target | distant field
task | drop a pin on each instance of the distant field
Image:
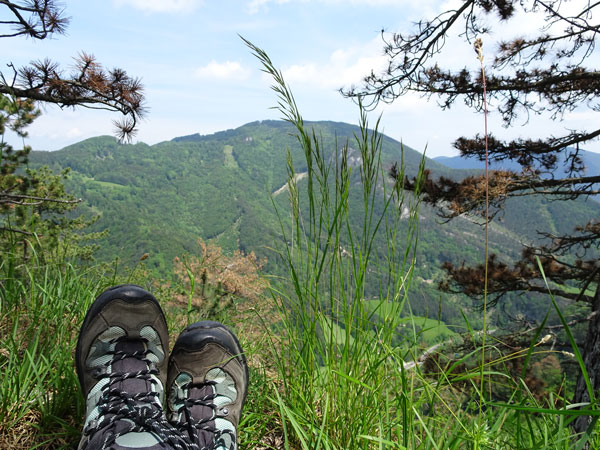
(429, 330)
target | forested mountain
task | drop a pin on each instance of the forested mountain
(224, 187)
(159, 199)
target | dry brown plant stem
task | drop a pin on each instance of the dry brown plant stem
(479, 50)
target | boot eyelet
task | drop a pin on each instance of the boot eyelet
(91, 426)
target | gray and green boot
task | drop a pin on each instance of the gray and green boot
(121, 365)
(207, 385)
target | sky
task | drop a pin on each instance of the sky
(199, 76)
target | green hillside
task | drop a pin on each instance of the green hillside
(160, 199)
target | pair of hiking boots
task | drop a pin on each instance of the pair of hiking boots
(125, 376)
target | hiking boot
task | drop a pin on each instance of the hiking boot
(207, 385)
(121, 365)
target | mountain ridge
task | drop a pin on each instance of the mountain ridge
(160, 199)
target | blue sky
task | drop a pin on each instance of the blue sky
(201, 78)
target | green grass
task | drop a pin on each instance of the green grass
(104, 184)
(39, 315)
(328, 368)
(42, 306)
(230, 161)
(109, 185)
(347, 386)
(430, 331)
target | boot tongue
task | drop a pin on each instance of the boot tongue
(131, 364)
(201, 412)
(131, 387)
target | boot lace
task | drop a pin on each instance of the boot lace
(140, 411)
(194, 426)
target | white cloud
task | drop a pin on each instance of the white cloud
(302, 73)
(161, 5)
(345, 67)
(581, 115)
(374, 3)
(255, 6)
(57, 128)
(74, 133)
(228, 70)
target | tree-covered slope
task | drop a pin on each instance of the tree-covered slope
(225, 187)
(159, 199)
